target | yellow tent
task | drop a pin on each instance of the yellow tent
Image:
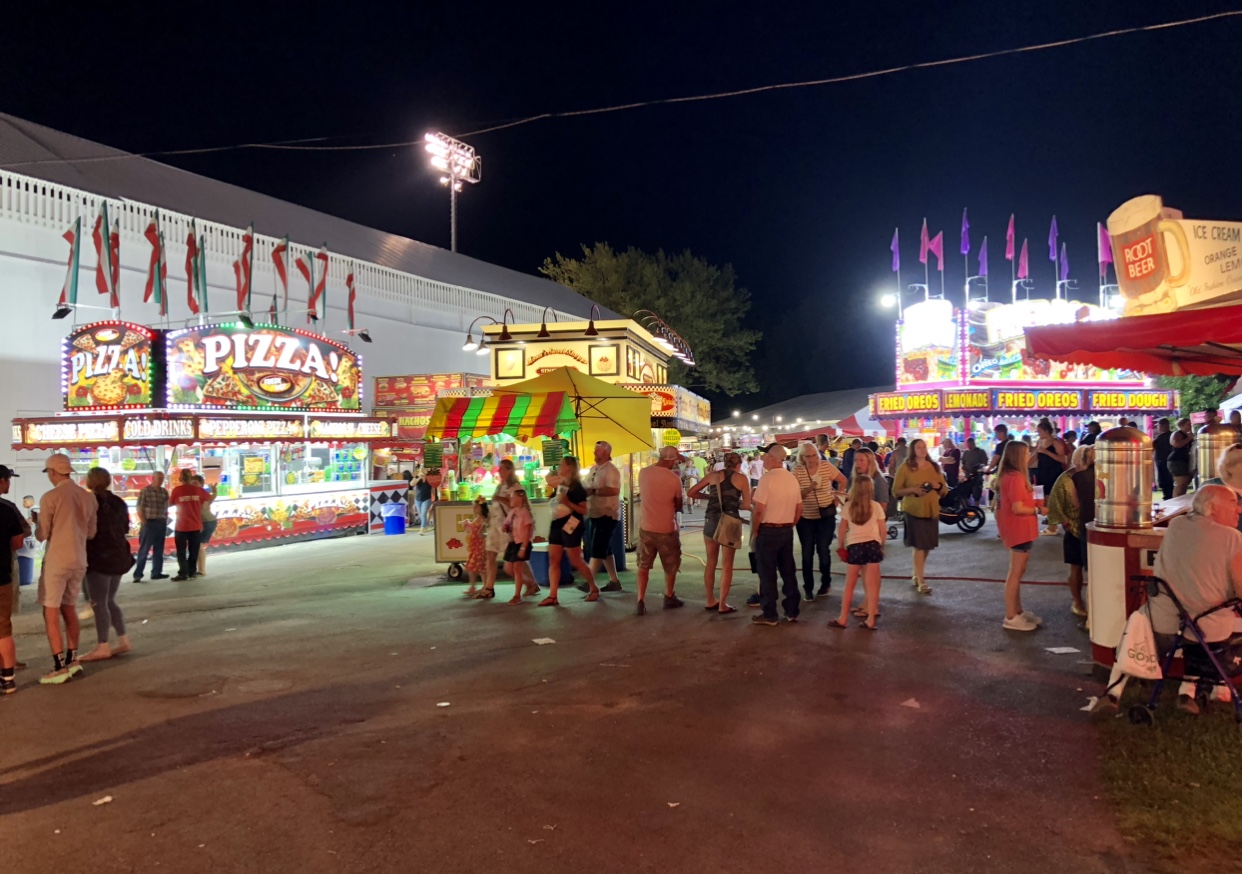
(606, 411)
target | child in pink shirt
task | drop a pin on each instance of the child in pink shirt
(522, 528)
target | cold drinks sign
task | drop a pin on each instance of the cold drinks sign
(264, 367)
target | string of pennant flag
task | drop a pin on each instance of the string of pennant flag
(313, 267)
(1019, 258)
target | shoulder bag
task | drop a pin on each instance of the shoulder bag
(728, 528)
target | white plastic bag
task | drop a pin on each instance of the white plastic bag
(1136, 654)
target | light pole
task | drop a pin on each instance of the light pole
(458, 163)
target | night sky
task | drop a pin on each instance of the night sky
(799, 189)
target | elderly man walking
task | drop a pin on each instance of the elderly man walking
(67, 518)
(661, 493)
(777, 507)
(153, 517)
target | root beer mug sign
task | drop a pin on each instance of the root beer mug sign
(264, 367)
(1165, 262)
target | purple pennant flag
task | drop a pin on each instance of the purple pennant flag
(896, 250)
(1064, 263)
(1104, 246)
(965, 234)
(923, 240)
(1052, 240)
(1023, 267)
(1009, 240)
(983, 258)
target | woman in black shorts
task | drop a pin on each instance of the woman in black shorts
(565, 536)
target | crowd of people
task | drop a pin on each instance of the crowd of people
(84, 533)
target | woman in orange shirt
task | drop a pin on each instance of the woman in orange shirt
(1017, 519)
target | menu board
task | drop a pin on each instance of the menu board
(265, 367)
(398, 392)
(107, 366)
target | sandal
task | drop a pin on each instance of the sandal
(485, 594)
(470, 593)
(515, 600)
(531, 590)
(836, 623)
(866, 626)
(715, 606)
(727, 609)
(923, 589)
(861, 613)
(594, 596)
(549, 602)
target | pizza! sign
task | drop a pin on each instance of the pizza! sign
(107, 366)
(266, 367)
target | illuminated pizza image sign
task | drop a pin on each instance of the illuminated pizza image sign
(107, 366)
(266, 367)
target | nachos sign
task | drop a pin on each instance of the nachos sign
(267, 367)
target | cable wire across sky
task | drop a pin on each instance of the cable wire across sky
(302, 145)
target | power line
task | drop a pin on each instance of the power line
(299, 145)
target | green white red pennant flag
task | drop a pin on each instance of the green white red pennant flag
(316, 276)
(69, 291)
(191, 269)
(280, 256)
(243, 270)
(104, 273)
(157, 269)
(353, 293)
(202, 272)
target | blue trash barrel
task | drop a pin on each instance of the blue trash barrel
(394, 518)
(25, 570)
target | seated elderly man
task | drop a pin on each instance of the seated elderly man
(1229, 471)
(1201, 559)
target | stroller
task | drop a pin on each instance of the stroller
(1199, 659)
(955, 506)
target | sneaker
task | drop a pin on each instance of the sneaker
(765, 620)
(808, 594)
(159, 576)
(7, 687)
(752, 601)
(137, 579)
(55, 678)
(824, 590)
(792, 619)
(1019, 623)
(642, 608)
(672, 602)
(613, 586)
(75, 669)
(1188, 705)
(179, 578)
(1032, 617)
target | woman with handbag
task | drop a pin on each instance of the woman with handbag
(565, 536)
(107, 559)
(728, 493)
(818, 481)
(919, 484)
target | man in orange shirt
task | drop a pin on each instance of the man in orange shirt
(660, 498)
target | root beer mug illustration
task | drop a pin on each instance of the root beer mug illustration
(1138, 232)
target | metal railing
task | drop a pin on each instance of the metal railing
(38, 203)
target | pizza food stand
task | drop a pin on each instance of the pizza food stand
(269, 415)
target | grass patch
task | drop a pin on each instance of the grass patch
(1177, 785)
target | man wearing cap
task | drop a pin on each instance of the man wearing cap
(66, 522)
(13, 533)
(661, 497)
(776, 509)
(603, 487)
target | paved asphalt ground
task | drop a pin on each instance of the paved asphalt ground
(282, 714)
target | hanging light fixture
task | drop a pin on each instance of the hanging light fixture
(591, 330)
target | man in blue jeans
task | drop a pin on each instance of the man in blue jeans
(153, 521)
(777, 507)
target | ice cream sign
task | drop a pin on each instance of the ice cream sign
(264, 367)
(1165, 262)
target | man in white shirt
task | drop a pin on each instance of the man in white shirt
(777, 506)
(603, 485)
(66, 521)
(755, 468)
